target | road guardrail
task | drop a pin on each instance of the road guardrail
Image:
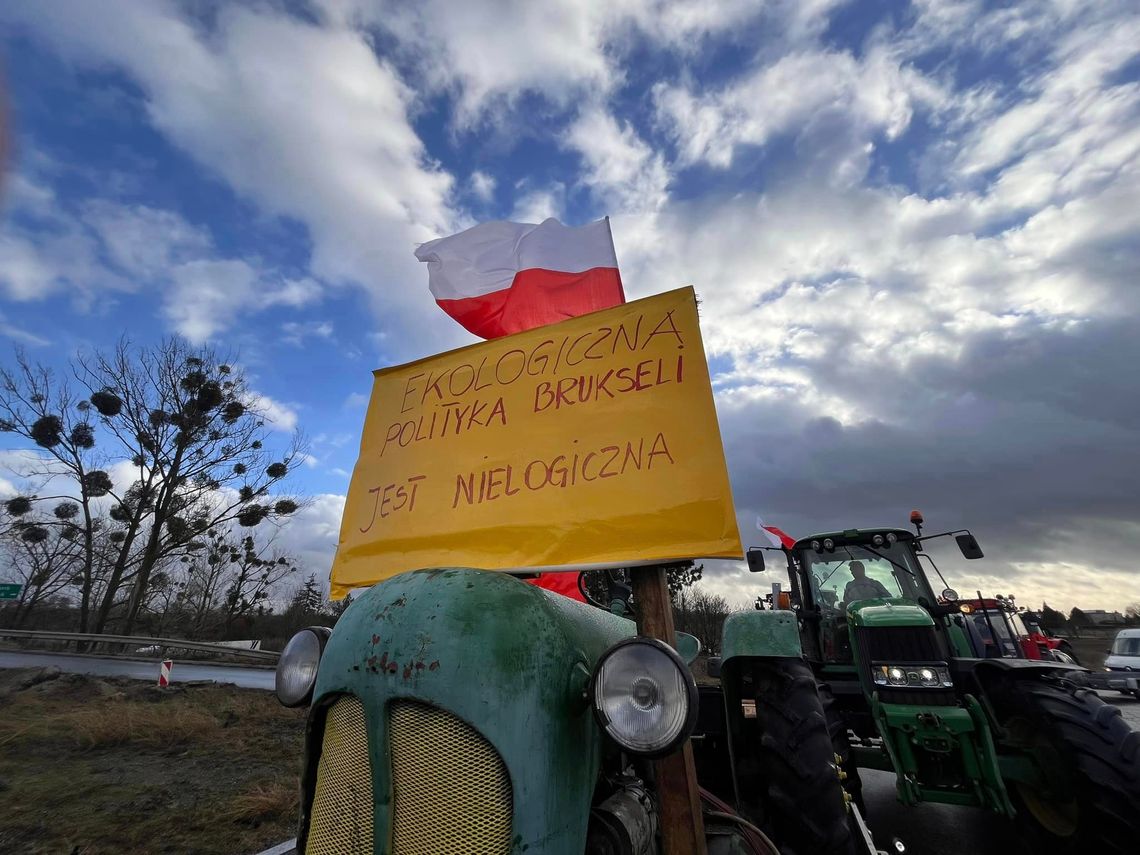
(162, 644)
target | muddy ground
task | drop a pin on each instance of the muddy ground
(94, 765)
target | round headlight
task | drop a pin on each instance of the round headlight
(644, 696)
(950, 595)
(815, 545)
(297, 666)
(896, 676)
(928, 677)
(829, 544)
(892, 537)
(877, 540)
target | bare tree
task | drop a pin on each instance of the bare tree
(41, 556)
(224, 578)
(36, 405)
(702, 614)
(190, 429)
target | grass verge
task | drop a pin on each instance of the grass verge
(93, 765)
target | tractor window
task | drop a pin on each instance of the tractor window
(833, 577)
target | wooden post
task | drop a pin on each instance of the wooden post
(682, 828)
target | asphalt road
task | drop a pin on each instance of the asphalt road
(182, 672)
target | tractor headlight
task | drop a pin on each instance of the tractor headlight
(644, 696)
(877, 540)
(828, 544)
(935, 675)
(297, 666)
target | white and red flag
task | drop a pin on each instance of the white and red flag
(500, 278)
(777, 537)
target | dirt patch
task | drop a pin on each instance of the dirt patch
(102, 765)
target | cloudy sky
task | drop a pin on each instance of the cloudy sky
(915, 230)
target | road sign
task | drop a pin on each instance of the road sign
(9, 592)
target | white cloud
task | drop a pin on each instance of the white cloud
(21, 335)
(278, 416)
(145, 241)
(795, 92)
(312, 533)
(303, 120)
(295, 332)
(356, 400)
(535, 204)
(621, 169)
(483, 186)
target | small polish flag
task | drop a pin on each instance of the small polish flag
(500, 278)
(777, 537)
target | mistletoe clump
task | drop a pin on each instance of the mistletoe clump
(97, 483)
(18, 506)
(107, 403)
(252, 515)
(83, 435)
(47, 431)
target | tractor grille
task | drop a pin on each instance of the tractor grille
(340, 822)
(902, 644)
(451, 794)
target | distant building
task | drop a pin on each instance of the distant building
(1099, 617)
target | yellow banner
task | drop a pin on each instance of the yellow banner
(589, 442)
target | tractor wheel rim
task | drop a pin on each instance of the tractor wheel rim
(1058, 818)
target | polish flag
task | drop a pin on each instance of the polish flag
(777, 537)
(500, 278)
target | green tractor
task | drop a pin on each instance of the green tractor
(463, 711)
(910, 689)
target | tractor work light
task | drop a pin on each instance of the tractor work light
(644, 696)
(297, 666)
(935, 675)
(829, 544)
(877, 540)
(815, 544)
(892, 537)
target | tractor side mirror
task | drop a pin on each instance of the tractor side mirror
(969, 546)
(755, 560)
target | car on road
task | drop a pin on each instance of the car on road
(1124, 656)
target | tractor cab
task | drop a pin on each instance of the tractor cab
(836, 570)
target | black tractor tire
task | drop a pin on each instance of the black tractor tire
(804, 805)
(1098, 757)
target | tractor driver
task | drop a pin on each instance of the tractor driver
(862, 588)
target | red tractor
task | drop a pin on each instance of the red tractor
(1000, 628)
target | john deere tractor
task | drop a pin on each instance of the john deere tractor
(911, 688)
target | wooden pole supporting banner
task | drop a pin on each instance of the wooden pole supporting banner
(682, 827)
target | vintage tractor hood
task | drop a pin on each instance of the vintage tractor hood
(511, 660)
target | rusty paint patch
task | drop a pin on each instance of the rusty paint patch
(375, 639)
(434, 666)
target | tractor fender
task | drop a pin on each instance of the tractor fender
(761, 633)
(1026, 666)
(989, 672)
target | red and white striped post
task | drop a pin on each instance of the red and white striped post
(164, 673)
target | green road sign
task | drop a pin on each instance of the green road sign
(9, 592)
